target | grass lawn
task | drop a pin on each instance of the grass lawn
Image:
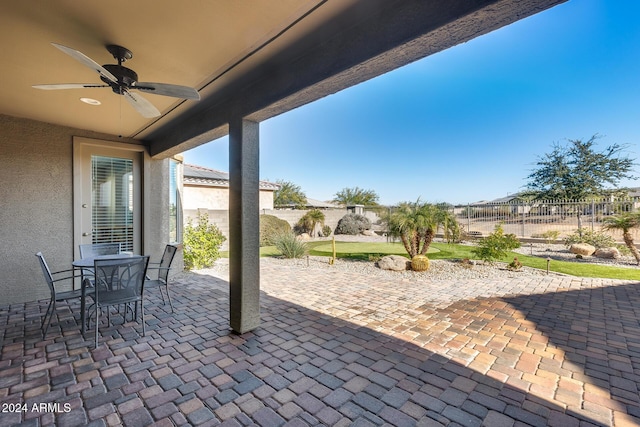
(365, 250)
(359, 250)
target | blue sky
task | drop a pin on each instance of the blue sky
(468, 123)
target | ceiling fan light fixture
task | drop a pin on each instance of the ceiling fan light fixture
(90, 101)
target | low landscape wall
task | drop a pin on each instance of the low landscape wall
(525, 219)
(220, 217)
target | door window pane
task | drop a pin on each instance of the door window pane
(112, 201)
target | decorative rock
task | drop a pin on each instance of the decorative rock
(610, 253)
(583, 249)
(304, 236)
(369, 233)
(394, 262)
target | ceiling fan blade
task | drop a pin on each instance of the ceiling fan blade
(165, 89)
(143, 106)
(68, 86)
(84, 59)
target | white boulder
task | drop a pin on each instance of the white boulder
(609, 253)
(394, 263)
(583, 249)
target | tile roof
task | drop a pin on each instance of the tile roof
(313, 203)
(200, 175)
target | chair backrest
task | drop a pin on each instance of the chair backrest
(165, 263)
(46, 272)
(121, 274)
(96, 249)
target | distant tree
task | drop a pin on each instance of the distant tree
(356, 196)
(289, 194)
(577, 171)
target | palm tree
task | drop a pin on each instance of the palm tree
(625, 222)
(417, 223)
(310, 219)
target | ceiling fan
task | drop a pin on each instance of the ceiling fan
(122, 80)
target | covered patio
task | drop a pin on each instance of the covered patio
(245, 61)
(339, 348)
(262, 345)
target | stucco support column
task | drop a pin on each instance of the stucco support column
(244, 225)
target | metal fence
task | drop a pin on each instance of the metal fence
(530, 219)
(527, 219)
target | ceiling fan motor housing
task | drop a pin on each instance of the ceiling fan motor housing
(126, 77)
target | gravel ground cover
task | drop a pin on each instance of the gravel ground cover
(561, 253)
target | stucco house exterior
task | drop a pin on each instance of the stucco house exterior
(205, 188)
(206, 191)
(64, 187)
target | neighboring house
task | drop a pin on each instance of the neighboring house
(205, 188)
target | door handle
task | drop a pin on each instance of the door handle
(86, 234)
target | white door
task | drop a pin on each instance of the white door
(107, 194)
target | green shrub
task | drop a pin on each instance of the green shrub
(624, 250)
(550, 236)
(455, 233)
(375, 257)
(514, 265)
(594, 238)
(326, 231)
(201, 243)
(353, 224)
(270, 226)
(288, 244)
(467, 263)
(496, 245)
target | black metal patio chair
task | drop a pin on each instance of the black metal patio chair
(91, 250)
(163, 267)
(57, 295)
(119, 282)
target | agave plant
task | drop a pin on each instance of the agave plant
(289, 245)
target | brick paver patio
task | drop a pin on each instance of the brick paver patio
(338, 348)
